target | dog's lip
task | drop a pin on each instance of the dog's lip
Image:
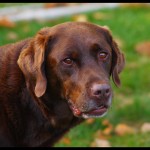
(98, 111)
(75, 110)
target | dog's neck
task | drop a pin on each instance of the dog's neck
(57, 111)
(49, 116)
(54, 109)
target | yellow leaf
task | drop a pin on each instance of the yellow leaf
(100, 16)
(100, 143)
(80, 18)
(66, 140)
(52, 5)
(106, 122)
(90, 120)
(108, 130)
(143, 48)
(145, 127)
(12, 36)
(5, 22)
(134, 5)
(122, 129)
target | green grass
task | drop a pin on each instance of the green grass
(134, 140)
(131, 102)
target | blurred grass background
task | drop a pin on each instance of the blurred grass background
(131, 102)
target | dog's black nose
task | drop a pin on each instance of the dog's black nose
(100, 90)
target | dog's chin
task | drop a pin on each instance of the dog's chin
(93, 113)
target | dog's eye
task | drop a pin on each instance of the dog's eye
(102, 55)
(68, 61)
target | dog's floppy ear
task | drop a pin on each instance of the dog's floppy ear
(118, 59)
(31, 62)
(118, 63)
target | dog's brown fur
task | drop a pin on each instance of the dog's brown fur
(35, 87)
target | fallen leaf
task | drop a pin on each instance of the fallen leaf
(99, 134)
(93, 144)
(106, 122)
(100, 16)
(145, 127)
(90, 120)
(143, 48)
(108, 130)
(80, 18)
(5, 22)
(12, 36)
(66, 140)
(52, 5)
(102, 134)
(100, 143)
(134, 5)
(122, 129)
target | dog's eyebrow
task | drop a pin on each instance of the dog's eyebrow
(71, 52)
(95, 47)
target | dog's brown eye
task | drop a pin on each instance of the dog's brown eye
(103, 55)
(68, 61)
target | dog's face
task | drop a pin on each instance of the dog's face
(81, 57)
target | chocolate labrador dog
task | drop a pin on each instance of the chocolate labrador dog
(54, 81)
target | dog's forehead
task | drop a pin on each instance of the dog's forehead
(78, 37)
(80, 33)
(79, 28)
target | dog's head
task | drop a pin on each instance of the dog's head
(80, 58)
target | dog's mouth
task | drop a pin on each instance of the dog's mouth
(93, 113)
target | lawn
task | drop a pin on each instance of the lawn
(131, 102)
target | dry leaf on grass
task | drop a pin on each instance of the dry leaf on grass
(143, 48)
(90, 121)
(100, 16)
(5, 22)
(80, 18)
(106, 122)
(99, 134)
(122, 129)
(52, 5)
(66, 140)
(104, 134)
(109, 128)
(100, 143)
(134, 5)
(12, 36)
(145, 127)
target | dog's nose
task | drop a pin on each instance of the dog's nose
(100, 90)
